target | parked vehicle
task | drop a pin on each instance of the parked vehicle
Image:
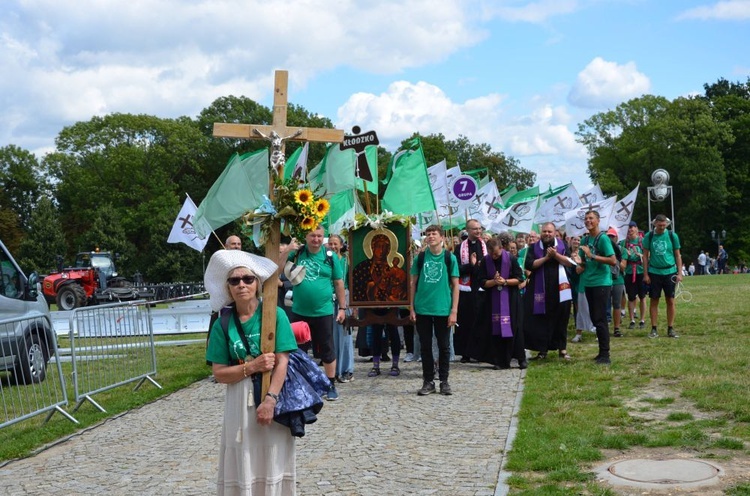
(92, 279)
(27, 339)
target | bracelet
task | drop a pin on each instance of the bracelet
(274, 396)
(342, 308)
(244, 369)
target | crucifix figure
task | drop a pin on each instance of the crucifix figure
(277, 148)
(274, 133)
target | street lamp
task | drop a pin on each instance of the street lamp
(660, 191)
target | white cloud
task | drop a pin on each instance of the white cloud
(541, 136)
(602, 84)
(66, 60)
(729, 10)
(532, 12)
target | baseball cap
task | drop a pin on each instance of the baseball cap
(633, 224)
(612, 232)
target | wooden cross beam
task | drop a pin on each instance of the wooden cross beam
(257, 131)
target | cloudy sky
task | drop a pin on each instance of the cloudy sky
(519, 75)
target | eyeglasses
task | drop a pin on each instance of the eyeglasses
(248, 280)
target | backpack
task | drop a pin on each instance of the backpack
(329, 257)
(420, 264)
(651, 239)
(613, 269)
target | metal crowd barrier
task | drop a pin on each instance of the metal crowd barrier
(111, 345)
(31, 377)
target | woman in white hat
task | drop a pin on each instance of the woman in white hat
(257, 455)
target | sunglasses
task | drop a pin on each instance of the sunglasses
(248, 280)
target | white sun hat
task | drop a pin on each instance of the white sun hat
(222, 263)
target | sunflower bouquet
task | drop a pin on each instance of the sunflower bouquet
(299, 210)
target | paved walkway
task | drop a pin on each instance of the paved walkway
(380, 439)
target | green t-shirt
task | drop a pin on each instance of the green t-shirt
(220, 352)
(635, 255)
(313, 297)
(434, 292)
(344, 261)
(661, 249)
(596, 274)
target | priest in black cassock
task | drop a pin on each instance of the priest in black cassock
(499, 326)
(548, 295)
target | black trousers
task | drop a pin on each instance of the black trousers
(425, 326)
(597, 298)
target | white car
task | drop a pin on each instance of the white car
(27, 339)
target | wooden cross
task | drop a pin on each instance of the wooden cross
(255, 131)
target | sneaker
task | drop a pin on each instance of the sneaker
(427, 388)
(617, 333)
(465, 359)
(603, 360)
(622, 313)
(409, 357)
(642, 324)
(445, 388)
(577, 339)
(374, 372)
(348, 376)
(632, 324)
(332, 395)
(653, 333)
(671, 333)
(345, 377)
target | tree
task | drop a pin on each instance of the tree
(503, 169)
(45, 239)
(21, 184)
(131, 173)
(627, 144)
(730, 103)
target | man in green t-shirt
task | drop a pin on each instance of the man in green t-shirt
(312, 298)
(662, 269)
(632, 253)
(434, 306)
(597, 255)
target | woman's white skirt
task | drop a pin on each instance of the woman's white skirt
(253, 459)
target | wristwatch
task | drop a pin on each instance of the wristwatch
(274, 396)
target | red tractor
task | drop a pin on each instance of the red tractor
(91, 280)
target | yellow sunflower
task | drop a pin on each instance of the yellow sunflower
(303, 196)
(308, 223)
(322, 207)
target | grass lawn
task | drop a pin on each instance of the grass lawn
(690, 394)
(177, 367)
(687, 395)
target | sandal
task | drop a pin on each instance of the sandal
(375, 371)
(395, 372)
(564, 355)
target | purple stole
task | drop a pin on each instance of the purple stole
(500, 299)
(540, 296)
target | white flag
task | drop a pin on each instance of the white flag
(622, 213)
(486, 206)
(574, 225)
(593, 195)
(519, 217)
(554, 208)
(183, 230)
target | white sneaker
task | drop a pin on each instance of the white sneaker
(409, 357)
(577, 338)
